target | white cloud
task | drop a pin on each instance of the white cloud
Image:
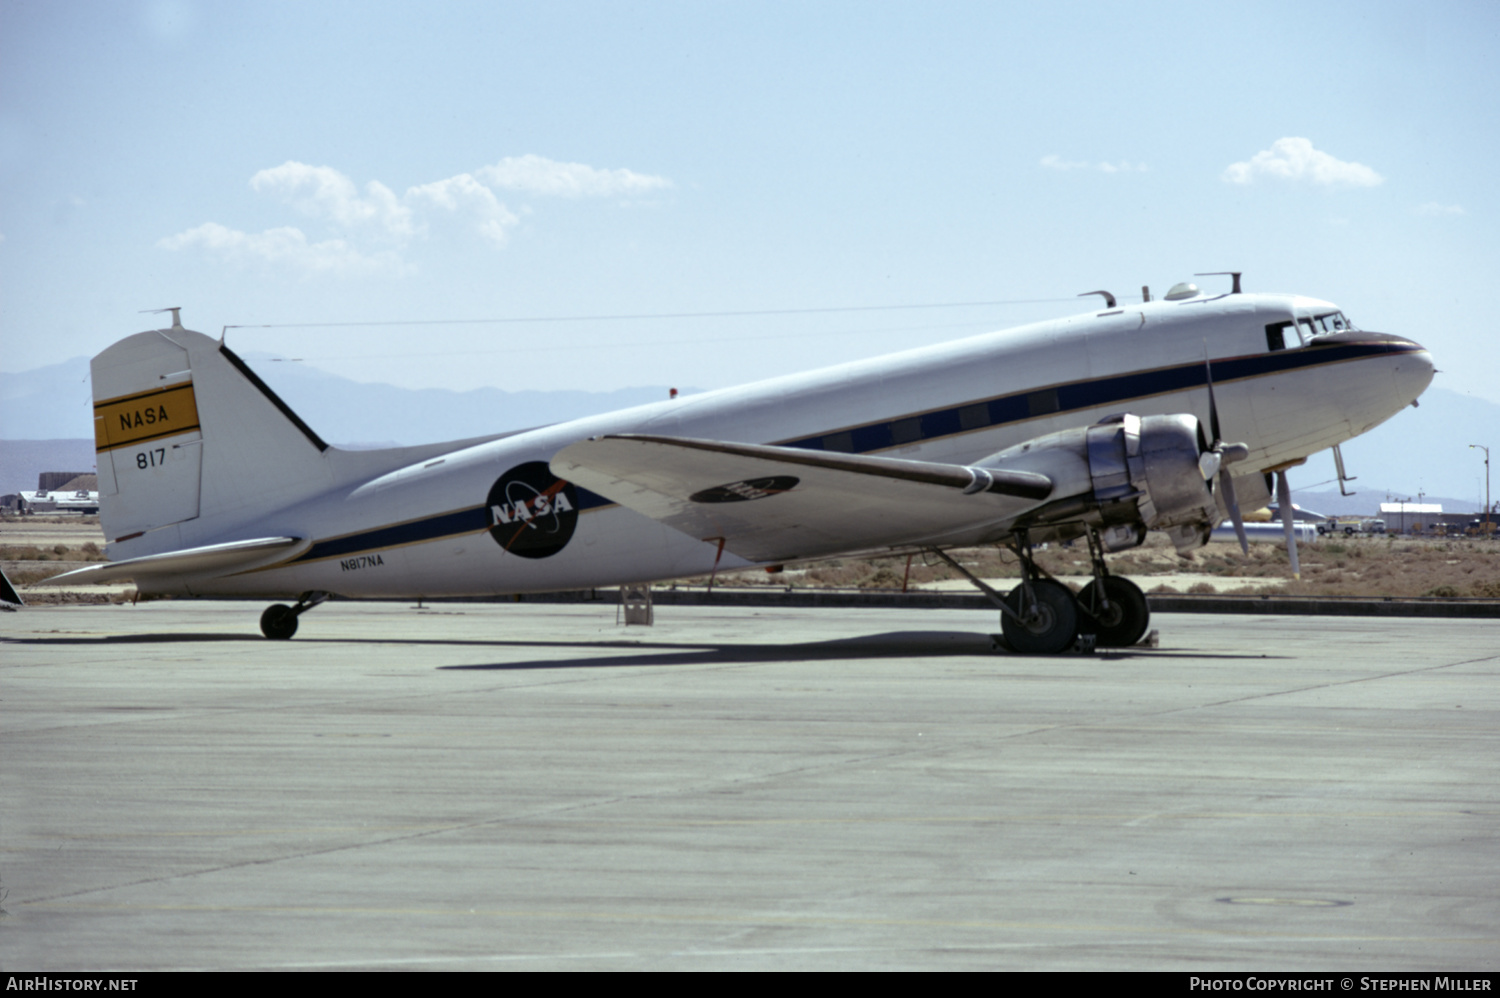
(376, 216)
(1056, 162)
(279, 246)
(1295, 159)
(538, 175)
(323, 192)
(464, 195)
(1433, 208)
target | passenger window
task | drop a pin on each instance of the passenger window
(840, 442)
(904, 431)
(1043, 402)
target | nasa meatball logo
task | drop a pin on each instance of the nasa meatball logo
(754, 488)
(532, 511)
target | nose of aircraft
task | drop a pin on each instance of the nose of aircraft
(1413, 372)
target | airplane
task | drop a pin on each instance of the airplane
(1101, 426)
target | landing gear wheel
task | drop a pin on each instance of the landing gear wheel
(1054, 626)
(1124, 622)
(279, 622)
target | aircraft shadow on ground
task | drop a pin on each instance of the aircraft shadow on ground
(127, 639)
(890, 645)
(624, 652)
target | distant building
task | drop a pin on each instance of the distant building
(1412, 518)
(67, 481)
(78, 501)
(61, 492)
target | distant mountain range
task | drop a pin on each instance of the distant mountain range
(55, 403)
(1423, 451)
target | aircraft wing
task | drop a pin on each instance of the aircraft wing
(773, 504)
(215, 559)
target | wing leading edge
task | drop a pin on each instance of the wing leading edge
(771, 503)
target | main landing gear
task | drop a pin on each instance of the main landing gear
(1114, 606)
(1041, 616)
(279, 622)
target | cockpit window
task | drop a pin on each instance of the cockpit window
(1302, 331)
(1331, 322)
(1276, 335)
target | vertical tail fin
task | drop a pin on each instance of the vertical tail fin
(188, 438)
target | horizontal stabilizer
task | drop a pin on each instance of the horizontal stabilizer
(211, 559)
(772, 503)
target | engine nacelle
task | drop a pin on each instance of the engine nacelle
(1124, 475)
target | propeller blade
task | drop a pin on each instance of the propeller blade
(1284, 506)
(1213, 406)
(1226, 485)
(1224, 454)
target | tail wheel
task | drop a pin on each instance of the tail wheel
(1052, 628)
(1123, 622)
(279, 622)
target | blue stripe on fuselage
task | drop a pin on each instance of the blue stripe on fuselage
(970, 417)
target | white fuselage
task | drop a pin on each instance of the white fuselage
(425, 528)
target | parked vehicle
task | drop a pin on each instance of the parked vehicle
(1352, 527)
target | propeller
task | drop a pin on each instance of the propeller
(1220, 455)
(1284, 507)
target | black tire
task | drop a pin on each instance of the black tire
(1349, 531)
(1053, 629)
(1125, 622)
(279, 622)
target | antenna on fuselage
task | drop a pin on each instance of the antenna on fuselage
(1109, 299)
(1226, 273)
(176, 311)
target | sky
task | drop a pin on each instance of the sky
(601, 195)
